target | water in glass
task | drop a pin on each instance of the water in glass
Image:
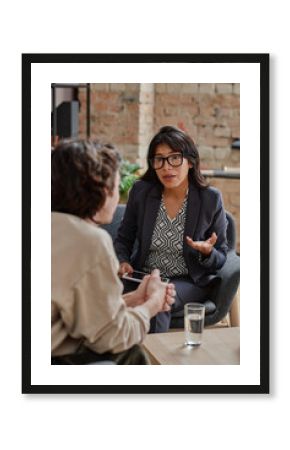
(193, 329)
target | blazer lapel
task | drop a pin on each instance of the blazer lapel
(192, 214)
(151, 208)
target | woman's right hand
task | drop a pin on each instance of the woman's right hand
(125, 268)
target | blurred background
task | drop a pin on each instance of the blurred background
(129, 114)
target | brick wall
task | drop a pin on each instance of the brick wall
(230, 190)
(130, 114)
(210, 113)
(114, 115)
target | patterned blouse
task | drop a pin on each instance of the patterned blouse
(166, 249)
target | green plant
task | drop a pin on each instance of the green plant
(129, 174)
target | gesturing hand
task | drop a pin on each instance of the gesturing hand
(204, 247)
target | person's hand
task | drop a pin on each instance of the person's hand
(204, 247)
(125, 268)
(138, 296)
(142, 294)
(152, 292)
(169, 297)
(155, 287)
(160, 295)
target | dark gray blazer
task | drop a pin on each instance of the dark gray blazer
(205, 214)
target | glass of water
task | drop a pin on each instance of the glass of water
(193, 323)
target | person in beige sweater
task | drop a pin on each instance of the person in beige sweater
(89, 315)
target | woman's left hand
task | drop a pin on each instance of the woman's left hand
(204, 247)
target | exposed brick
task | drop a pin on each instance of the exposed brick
(192, 130)
(202, 121)
(224, 88)
(160, 88)
(206, 152)
(182, 88)
(207, 88)
(170, 111)
(236, 88)
(163, 121)
(228, 101)
(190, 88)
(222, 153)
(173, 88)
(147, 97)
(208, 105)
(234, 158)
(224, 114)
(129, 151)
(208, 164)
(103, 87)
(108, 98)
(230, 190)
(205, 130)
(124, 87)
(235, 132)
(147, 108)
(235, 199)
(130, 97)
(168, 99)
(222, 131)
(143, 148)
(147, 87)
(214, 141)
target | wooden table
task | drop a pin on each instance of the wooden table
(219, 346)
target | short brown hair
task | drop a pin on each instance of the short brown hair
(82, 174)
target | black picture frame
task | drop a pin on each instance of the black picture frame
(263, 61)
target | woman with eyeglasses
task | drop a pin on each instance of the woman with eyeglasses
(174, 222)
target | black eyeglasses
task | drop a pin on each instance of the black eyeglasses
(174, 160)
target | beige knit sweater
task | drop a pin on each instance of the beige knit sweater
(86, 303)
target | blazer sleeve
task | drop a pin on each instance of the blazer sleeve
(218, 225)
(124, 242)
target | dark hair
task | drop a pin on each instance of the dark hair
(178, 141)
(82, 173)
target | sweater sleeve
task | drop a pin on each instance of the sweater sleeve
(98, 314)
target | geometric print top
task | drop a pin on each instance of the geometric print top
(165, 252)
